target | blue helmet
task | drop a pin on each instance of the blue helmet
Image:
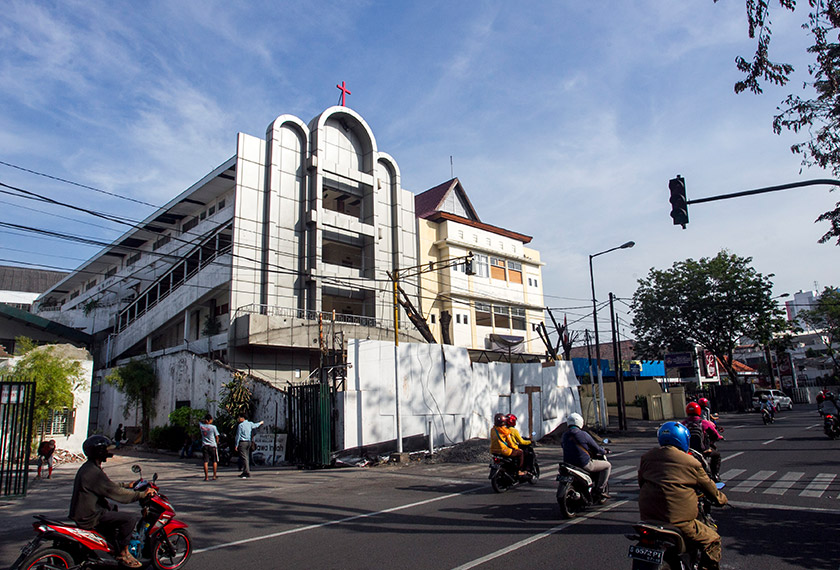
(674, 433)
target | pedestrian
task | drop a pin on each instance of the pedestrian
(46, 449)
(242, 444)
(186, 451)
(209, 444)
(119, 436)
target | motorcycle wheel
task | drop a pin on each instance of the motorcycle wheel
(765, 419)
(47, 558)
(535, 474)
(569, 500)
(501, 481)
(165, 557)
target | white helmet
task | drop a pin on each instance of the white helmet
(575, 420)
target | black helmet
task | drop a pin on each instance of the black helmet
(499, 420)
(96, 448)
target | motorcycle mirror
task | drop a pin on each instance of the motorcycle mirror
(605, 440)
(135, 468)
(720, 485)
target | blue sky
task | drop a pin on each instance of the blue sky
(564, 120)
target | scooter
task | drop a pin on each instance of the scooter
(661, 546)
(831, 426)
(504, 470)
(158, 538)
(766, 416)
(576, 489)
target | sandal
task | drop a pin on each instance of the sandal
(128, 561)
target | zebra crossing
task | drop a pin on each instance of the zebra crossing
(764, 482)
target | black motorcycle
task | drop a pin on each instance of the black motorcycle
(660, 546)
(576, 489)
(831, 425)
(504, 470)
(766, 416)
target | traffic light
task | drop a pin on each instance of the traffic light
(679, 204)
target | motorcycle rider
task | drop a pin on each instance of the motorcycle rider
(501, 442)
(89, 506)
(706, 410)
(827, 403)
(510, 422)
(703, 435)
(669, 479)
(578, 449)
(767, 404)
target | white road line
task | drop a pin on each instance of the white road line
(772, 440)
(753, 481)
(784, 483)
(743, 504)
(335, 522)
(621, 469)
(629, 475)
(817, 487)
(535, 538)
(813, 426)
(620, 453)
(731, 474)
(731, 456)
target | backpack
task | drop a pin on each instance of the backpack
(698, 439)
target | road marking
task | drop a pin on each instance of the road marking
(784, 483)
(536, 537)
(818, 486)
(753, 481)
(731, 474)
(742, 505)
(629, 475)
(772, 440)
(621, 469)
(731, 456)
(813, 426)
(621, 453)
(338, 521)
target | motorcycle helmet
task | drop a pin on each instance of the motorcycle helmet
(674, 433)
(499, 420)
(693, 409)
(511, 420)
(96, 448)
(575, 420)
(704, 403)
(820, 398)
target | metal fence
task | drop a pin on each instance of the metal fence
(17, 406)
(311, 423)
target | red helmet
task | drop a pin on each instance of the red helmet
(511, 420)
(692, 409)
(704, 403)
(820, 397)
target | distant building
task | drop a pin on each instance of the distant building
(802, 301)
(20, 286)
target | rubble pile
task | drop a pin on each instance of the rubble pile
(61, 456)
(471, 451)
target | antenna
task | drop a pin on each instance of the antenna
(451, 167)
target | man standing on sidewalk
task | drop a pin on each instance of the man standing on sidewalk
(242, 444)
(209, 444)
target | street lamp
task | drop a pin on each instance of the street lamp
(603, 419)
(767, 356)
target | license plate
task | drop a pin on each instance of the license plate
(652, 555)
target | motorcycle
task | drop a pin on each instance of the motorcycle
(576, 489)
(766, 416)
(660, 546)
(504, 470)
(831, 426)
(158, 538)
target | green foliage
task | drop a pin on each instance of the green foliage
(824, 318)
(187, 418)
(236, 397)
(711, 303)
(55, 377)
(139, 383)
(816, 115)
(211, 326)
(169, 437)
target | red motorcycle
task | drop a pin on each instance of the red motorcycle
(159, 538)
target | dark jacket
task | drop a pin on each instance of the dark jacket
(668, 479)
(91, 488)
(46, 448)
(579, 447)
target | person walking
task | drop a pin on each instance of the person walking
(46, 449)
(242, 444)
(209, 444)
(119, 436)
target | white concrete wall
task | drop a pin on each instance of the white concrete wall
(439, 385)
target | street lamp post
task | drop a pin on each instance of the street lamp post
(603, 406)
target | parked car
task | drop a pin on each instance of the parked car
(782, 401)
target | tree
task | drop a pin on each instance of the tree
(818, 116)
(139, 383)
(824, 319)
(56, 377)
(712, 303)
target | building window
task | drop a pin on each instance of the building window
(466, 319)
(90, 285)
(111, 271)
(211, 210)
(432, 318)
(458, 319)
(480, 265)
(497, 268)
(535, 283)
(483, 318)
(59, 422)
(221, 204)
(188, 225)
(501, 317)
(160, 242)
(515, 272)
(133, 259)
(518, 318)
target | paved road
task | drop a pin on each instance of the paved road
(783, 480)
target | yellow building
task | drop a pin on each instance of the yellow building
(499, 307)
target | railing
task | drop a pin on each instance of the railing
(326, 316)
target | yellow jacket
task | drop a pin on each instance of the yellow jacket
(517, 439)
(501, 442)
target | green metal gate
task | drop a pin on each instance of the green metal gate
(17, 406)
(311, 424)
